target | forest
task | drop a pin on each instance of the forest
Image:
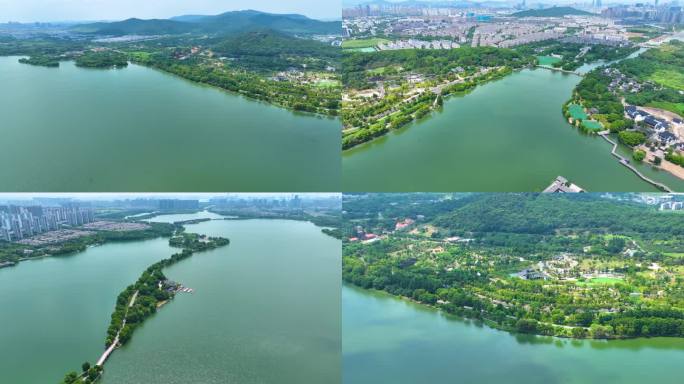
(102, 59)
(436, 75)
(249, 70)
(357, 67)
(661, 70)
(581, 266)
(593, 92)
(574, 55)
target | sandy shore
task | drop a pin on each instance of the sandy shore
(664, 164)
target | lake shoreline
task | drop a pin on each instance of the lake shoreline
(492, 324)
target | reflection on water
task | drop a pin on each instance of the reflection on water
(386, 339)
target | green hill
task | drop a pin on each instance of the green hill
(225, 23)
(241, 20)
(135, 27)
(275, 51)
(551, 12)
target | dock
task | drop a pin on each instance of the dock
(626, 163)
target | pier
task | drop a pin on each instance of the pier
(626, 163)
(560, 70)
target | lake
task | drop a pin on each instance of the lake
(56, 310)
(389, 340)
(139, 129)
(506, 136)
(265, 309)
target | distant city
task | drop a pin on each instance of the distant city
(67, 218)
(20, 222)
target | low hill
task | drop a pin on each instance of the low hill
(225, 23)
(135, 27)
(275, 51)
(289, 23)
(551, 12)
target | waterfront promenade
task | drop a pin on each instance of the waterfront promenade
(626, 163)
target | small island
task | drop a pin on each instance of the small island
(41, 61)
(102, 59)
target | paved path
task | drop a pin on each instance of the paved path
(115, 343)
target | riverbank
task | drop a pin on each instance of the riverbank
(11, 254)
(424, 104)
(467, 313)
(413, 344)
(267, 98)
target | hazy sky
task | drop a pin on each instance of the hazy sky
(66, 10)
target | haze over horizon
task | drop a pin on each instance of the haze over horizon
(28, 11)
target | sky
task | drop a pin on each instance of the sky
(89, 10)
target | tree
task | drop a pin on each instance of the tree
(639, 155)
(70, 378)
(85, 366)
(526, 325)
(631, 138)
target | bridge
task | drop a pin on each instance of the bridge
(626, 163)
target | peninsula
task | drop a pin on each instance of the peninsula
(286, 60)
(142, 299)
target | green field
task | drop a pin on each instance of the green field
(677, 108)
(327, 83)
(377, 71)
(547, 60)
(592, 125)
(669, 78)
(577, 112)
(363, 43)
(601, 280)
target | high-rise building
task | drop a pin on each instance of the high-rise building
(19, 222)
(171, 204)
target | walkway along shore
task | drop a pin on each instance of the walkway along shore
(626, 163)
(560, 70)
(115, 343)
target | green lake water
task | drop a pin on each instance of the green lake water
(139, 129)
(508, 135)
(387, 340)
(55, 310)
(266, 309)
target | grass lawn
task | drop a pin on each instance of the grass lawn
(677, 108)
(547, 60)
(592, 125)
(669, 78)
(377, 71)
(577, 112)
(363, 43)
(327, 83)
(673, 254)
(601, 280)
